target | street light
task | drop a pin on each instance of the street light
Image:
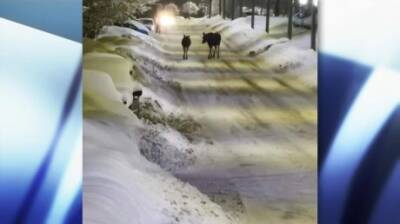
(315, 2)
(166, 19)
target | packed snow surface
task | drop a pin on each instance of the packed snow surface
(253, 159)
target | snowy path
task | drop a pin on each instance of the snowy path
(262, 126)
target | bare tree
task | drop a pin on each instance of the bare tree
(277, 9)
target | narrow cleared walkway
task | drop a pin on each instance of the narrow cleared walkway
(262, 126)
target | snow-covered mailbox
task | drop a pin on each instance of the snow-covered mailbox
(40, 125)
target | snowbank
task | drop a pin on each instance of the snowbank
(109, 31)
(283, 56)
(165, 104)
(119, 70)
(90, 45)
(100, 98)
(100, 84)
(138, 25)
(124, 180)
(167, 148)
(238, 33)
(121, 186)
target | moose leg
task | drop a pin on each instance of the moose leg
(209, 53)
(218, 51)
(185, 53)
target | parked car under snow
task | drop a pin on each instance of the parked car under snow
(148, 22)
(137, 26)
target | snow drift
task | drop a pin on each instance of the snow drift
(121, 184)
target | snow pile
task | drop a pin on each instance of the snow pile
(100, 84)
(119, 70)
(237, 33)
(151, 113)
(127, 40)
(90, 45)
(120, 186)
(167, 149)
(165, 105)
(125, 158)
(116, 31)
(101, 96)
(138, 24)
(284, 56)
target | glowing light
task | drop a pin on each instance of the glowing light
(166, 19)
(303, 2)
(374, 105)
(315, 2)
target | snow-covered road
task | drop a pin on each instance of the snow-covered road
(261, 123)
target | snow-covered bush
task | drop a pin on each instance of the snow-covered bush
(172, 8)
(190, 8)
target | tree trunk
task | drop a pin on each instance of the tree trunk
(233, 9)
(290, 17)
(277, 10)
(267, 9)
(253, 12)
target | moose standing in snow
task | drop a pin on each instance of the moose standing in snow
(186, 42)
(213, 40)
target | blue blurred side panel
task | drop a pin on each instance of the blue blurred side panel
(40, 126)
(339, 82)
(359, 143)
(378, 174)
(359, 124)
(60, 17)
